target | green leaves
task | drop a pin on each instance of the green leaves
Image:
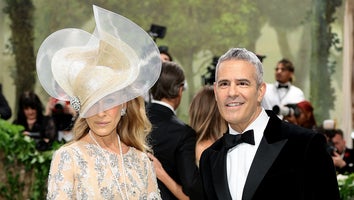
(25, 168)
(346, 186)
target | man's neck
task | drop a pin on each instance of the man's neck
(284, 83)
(163, 102)
(171, 102)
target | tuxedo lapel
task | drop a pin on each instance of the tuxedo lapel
(268, 150)
(219, 174)
(263, 160)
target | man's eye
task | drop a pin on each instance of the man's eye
(223, 84)
(244, 83)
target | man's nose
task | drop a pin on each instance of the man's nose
(233, 90)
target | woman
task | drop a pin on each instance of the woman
(303, 115)
(38, 126)
(103, 75)
(306, 118)
(205, 119)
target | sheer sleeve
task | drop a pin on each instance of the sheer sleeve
(61, 175)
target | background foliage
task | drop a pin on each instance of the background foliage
(346, 186)
(24, 170)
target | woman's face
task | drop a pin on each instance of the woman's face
(30, 113)
(105, 122)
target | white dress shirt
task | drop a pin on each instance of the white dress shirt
(164, 104)
(240, 157)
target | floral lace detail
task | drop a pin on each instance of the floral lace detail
(78, 171)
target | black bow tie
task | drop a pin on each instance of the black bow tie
(233, 140)
(283, 86)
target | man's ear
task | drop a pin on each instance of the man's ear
(180, 91)
(261, 91)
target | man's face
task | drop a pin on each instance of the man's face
(282, 75)
(237, 94)
(339, 143)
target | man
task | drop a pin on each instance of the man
(282, 92)
(282, 161)
(173, 141)
(343, 157)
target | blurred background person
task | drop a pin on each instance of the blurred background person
(282, 92)
(173, 141)
(205, 119)
(165, 57)
(343, 157)
(164, 54)
(38, 126)
(301, 114)
(64, 117)
(306, 118)
(5, 110)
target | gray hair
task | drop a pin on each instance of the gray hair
(242, 54)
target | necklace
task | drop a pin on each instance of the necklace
(107, 162)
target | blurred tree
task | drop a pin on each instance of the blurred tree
(286, 21)
(322, 92)
(21, 24)
(55, 15)
(197, 26)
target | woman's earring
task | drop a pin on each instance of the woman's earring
(123, 112)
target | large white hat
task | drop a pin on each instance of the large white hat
(98, 71)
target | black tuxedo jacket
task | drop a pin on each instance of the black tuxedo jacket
(290, 163)
(173, 143)
(349, 159)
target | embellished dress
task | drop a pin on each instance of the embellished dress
(80, 171)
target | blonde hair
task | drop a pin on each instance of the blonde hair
(204, 116)
(132, 127)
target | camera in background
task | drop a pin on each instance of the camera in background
(287, 110)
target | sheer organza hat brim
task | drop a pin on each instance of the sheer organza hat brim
(115, 64)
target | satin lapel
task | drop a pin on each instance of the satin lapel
(263, 160)
(219, 174)
(269, 148)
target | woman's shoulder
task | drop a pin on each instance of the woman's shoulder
(135, 151)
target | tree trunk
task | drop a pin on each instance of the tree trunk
(22, 40)
(322, 93)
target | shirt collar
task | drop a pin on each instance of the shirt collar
(258, 126)
(163, 104)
